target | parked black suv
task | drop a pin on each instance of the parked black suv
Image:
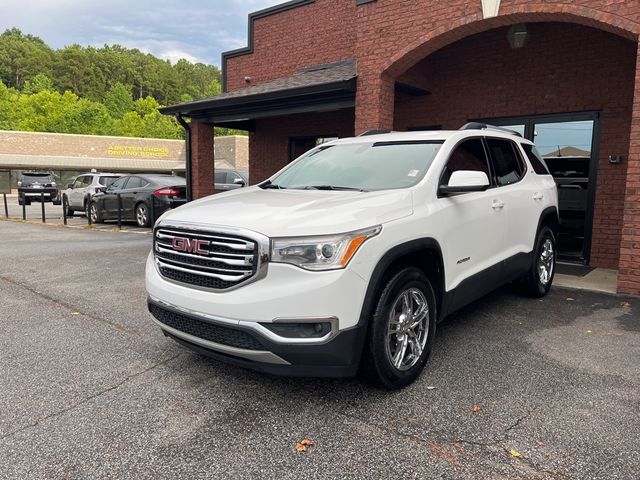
(37, 186)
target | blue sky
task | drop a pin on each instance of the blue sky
(172, 29)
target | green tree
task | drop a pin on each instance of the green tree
(130, 125)
(157, 125)
(22, 57)
(118, 100)
(37, 84)
(7, 108)
(145, 106)
(74, 71)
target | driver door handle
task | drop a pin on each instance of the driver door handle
(497, 205)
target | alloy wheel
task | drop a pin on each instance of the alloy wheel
(546, 262)
(141, 215)
(407, 329)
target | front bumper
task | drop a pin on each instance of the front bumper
(286, 294)
(249, 345)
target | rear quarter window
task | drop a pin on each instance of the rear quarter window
(536, 160)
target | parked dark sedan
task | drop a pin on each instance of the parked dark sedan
(143, 198)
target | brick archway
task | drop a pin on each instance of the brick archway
(526, 13)
(376, 81)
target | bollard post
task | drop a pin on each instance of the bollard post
(6, 207)
(64, 210)
(152, 213)
(42, 206)
(119, 212)
(24, 206)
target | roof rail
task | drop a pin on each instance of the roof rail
(373, 132)
(485, 126)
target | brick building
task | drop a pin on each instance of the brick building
(564, 74)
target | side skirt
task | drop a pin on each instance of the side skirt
(482, 283)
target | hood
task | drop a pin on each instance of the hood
(280, 213)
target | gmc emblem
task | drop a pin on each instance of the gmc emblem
(190, 245)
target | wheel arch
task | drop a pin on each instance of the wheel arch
(423, 253)
(549, 218)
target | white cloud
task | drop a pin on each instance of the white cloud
(189, 29)
(174, 55)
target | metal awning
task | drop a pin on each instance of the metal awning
(319, 88)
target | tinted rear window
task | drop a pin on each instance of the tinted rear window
(106, 181)
(36, 176)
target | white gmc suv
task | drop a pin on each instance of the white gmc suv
(348, 257)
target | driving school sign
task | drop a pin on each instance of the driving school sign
(137, 151)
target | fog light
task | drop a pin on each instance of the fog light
(299, 330)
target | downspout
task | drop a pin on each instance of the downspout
(187, 131)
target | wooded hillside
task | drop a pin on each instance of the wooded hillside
(110, 90)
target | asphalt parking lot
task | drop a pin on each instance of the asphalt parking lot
(516, 388)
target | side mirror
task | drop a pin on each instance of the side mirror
(101, 189)
(464, 181)
(70, 185)
(239, 181)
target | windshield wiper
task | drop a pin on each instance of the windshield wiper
(268, 184)
(332, 187)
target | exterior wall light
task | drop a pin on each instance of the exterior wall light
(518, 36)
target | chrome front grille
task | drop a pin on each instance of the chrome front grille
(216, 260)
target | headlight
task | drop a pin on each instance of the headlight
(19, 183)
(329, 252)
(53, 184)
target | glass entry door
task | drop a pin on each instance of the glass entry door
(568, 144)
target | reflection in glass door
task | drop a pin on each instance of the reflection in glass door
(567, 150)
(568, 143)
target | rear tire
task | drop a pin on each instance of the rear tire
(402, 330)
(95, 213)
(143, 217)
(537, 282)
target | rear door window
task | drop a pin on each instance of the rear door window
(119, 184)
(507, 166)
(136, 182)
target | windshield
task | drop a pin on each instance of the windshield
(360, 166)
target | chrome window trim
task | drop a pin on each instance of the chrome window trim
(256, 327)
(263, 244)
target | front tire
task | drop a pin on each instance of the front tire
(537, 282)
(95, 213)
(402, 331)
(65, 204)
